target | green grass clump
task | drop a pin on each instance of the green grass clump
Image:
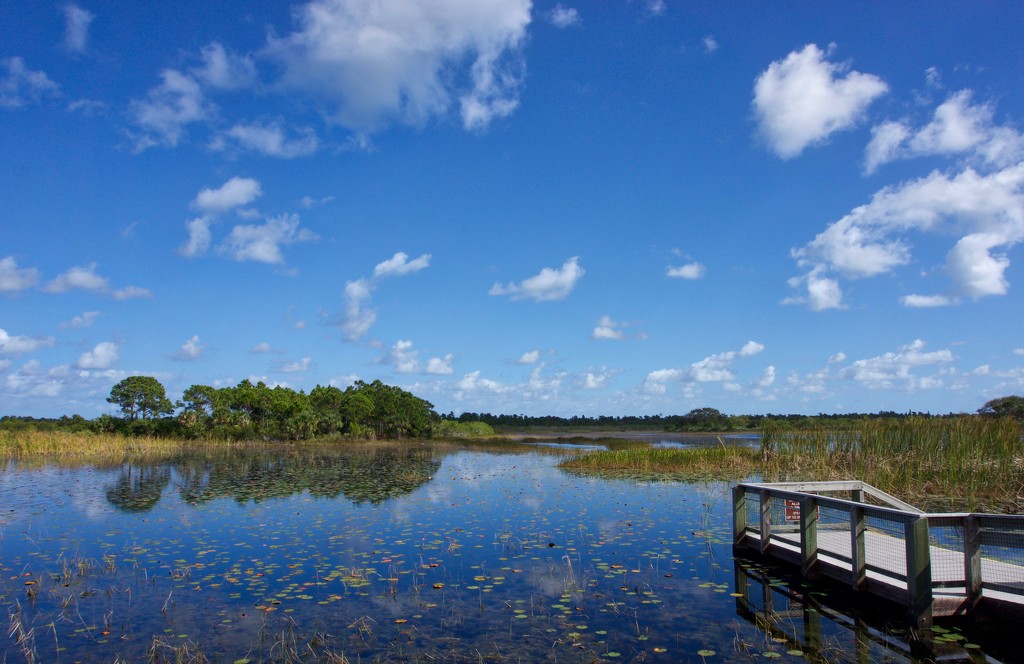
(969, 463)
(700, 462)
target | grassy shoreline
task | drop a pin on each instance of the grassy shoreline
(968, 463)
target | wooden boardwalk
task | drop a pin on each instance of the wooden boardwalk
(888, 550)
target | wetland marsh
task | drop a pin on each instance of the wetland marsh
(391, 552)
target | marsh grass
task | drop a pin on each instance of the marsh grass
(968, 463)
(710, 462)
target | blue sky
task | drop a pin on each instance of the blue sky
(621, 208)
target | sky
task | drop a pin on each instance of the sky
(625, 207)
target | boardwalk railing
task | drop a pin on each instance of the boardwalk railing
(934, 564)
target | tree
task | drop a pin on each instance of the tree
(140, 397)
(1012, 406)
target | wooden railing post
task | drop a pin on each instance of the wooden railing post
(919, 571)
(972, 560)
(766, 520)
(809, 536)
(739, 516)
(858, 557)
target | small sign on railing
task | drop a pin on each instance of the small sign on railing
(792, 510)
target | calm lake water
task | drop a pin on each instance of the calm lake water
(400, 554)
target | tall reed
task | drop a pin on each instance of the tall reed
(967, 462)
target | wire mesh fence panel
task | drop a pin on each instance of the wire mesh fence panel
(752, 502)
(886, 546)
(1002, 553)
(834, 532)
(946, 540)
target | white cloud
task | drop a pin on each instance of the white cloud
(751, 348)
(607, 328)
(688, 271)
(79, 322)
(130, 293)
(885, 371)
(715, 368)
(926, 301)
(358, 319)
(403, 61)
(199, 237)
(189, 351)
(399, 265)
(550, 284)
(1019, 352)
(234, 193)
(957, 127)
(767, 378)
(224, 70)
(987, 211)
(163, 114)
(297, 367)
(564, 17)
(405, 360)
(271, 139)
(20, 85)
(597, 381)
(821, 292)
(13, 278)
(529, 357)
(440, 366)
(78, 278)
(262, 243)
(838, 357)
(472, 382)
(102, 356)
(18, 345)
(655, 7)
(710, 43)
(76, 28)
(801, 100)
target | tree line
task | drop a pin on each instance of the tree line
(251, 411)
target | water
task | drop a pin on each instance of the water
(407, 554)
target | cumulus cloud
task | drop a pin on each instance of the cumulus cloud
(14, 278)
(655, 7)
(102, 356)
(76, 28)
(20, 85)
(689, 271)
(715, 368)
(270, 138)
(298, 366)
(710, 43)
(596, 381)
(235, 192)
(803, 99)
(199, 237)
(18, 345)
(404, 61)
(263, 347)
(81, 277)
(79, 322)
(405, 359)
(130, 293)
(897, 368)
(529, 357)
(358, 318)
(926, 301)
(958, 126)
(225, 70)
(162, 115)
(608, 328)
(399, 265)
(189, 351)
(550, 284)
(986, 211)
(564, 17)
(263, 242)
